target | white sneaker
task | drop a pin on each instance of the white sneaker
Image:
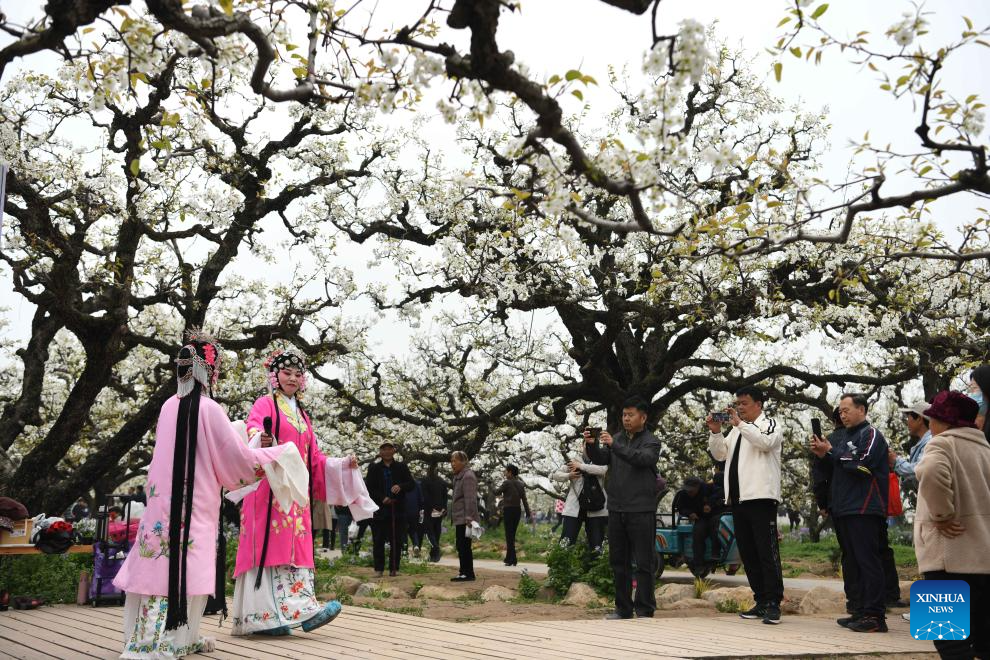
(906, 616)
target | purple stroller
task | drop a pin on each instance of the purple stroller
(108, 555)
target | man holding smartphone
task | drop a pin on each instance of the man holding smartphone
(631, 457)
(752, 488)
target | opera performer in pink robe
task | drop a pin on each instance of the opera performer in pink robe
(170, 572)
(274, 576)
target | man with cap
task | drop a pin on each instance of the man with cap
(952, 522)
(388, 481)
(917, 423)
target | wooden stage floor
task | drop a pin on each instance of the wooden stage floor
(67, 632)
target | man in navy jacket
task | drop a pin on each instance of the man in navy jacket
(858, 470)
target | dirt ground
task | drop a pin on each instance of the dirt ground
(468, 607)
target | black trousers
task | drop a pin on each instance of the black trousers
(631, 539)
(756, 535)
(390, 529)
(978, 644)
(434, 527)
(594, 529)
(464, 553)
(891, 583)
(862, 568)
(512, 515)
(704, 529)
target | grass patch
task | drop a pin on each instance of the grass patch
(410, 609)
(729, 606)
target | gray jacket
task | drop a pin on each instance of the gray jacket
(464, 507)
(632, 471)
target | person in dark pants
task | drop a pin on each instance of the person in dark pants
(464, 511)
(388, 481)
(752, 487)
(631, 457)
(434, 509)
(513, 492)
(857, 469)
(578, 471)
(701, 504)
(951, 523)
(413, 504)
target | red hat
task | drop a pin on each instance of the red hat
(954, 408)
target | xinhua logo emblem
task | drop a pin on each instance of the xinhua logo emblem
(940, 610)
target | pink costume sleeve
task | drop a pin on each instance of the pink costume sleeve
(345, 487)
(319, 465)
(263, 407)
(234, 463)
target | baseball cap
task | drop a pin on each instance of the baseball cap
(917, 408)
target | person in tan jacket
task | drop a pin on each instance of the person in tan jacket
(952, 521)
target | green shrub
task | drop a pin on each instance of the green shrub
(52, 577)
(599, 575)
(528, 588)
(728, 606)
(567, 564)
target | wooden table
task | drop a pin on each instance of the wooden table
(28, 549)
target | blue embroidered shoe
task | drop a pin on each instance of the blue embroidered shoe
(323, 617)
(281, 631)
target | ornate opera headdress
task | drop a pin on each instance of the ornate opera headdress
(201, 356)
(281, 359)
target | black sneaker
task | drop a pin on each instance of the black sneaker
(757, 612)
(868, 624)
(845, 621)
(772, 615)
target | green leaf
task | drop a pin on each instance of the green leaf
(135, 167)
(969, 23)
(796, 52)
(554, 79)
(821, 10)
(778, 68)
(227, 6)
(573, 74)
(784, 21)
(578, 94)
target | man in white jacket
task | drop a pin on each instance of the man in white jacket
(752, 488)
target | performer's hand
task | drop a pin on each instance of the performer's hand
(354, 462)
(396, 489)
(713, 426)
(734, 418)
(386, 500)
(606, 438)
(266, 440)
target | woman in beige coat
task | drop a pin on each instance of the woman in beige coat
(952, 522)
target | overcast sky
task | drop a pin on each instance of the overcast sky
(552, 36)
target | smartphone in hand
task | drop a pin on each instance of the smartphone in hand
(721, 417)
(816, 428)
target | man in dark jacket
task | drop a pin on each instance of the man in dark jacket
(388, 481)
(435, 492)
(632, 459)
(857, 469)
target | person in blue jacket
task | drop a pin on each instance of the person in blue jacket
(858, 469)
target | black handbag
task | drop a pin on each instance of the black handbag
(592, 497)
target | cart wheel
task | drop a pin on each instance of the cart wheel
(676, 560)
(731, 569)
(701, 572)
(660, 565)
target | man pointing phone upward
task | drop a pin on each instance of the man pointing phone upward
(752, 488)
